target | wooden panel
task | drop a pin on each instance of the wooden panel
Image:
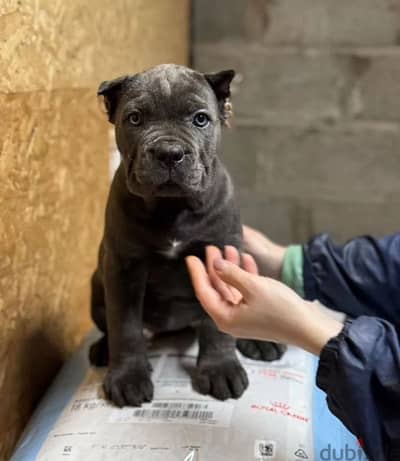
(54, 172)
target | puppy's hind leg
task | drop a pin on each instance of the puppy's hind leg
(98, 353)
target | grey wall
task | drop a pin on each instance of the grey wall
(315, 142)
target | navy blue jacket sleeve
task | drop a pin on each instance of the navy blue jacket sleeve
(361, 277)
(359, 370)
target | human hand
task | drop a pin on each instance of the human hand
(257, 307)
(268, 255)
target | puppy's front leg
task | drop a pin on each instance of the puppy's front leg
(219, 372)
(128, 380)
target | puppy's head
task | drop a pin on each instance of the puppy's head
(168, 124)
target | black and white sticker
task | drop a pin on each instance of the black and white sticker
(264, 450)
(177, 411)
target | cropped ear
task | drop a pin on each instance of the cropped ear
(111, 92)
(220, 82)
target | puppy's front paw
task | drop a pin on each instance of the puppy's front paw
(222, 379)
(129, 386)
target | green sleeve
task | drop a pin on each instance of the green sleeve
(292, 271)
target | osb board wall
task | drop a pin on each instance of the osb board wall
(54, 171)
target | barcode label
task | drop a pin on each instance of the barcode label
(209, 413)
(173, 414)
(264, 450)
(175, 405)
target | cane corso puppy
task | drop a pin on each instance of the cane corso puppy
(170, 197)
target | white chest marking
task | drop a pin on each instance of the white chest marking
(173, 250)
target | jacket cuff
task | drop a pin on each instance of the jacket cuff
(328, 358)
(292, 270)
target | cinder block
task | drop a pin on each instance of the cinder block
(218, 20)
(379, 88)
(239, 156)
(279, 83)
(298, 22)
(327, 22)
(349, 163)
(272, 216)
(344, 220)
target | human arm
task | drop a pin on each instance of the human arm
(361, 277)
(359, 366)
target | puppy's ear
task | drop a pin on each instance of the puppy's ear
(220, 82)
(111, 92)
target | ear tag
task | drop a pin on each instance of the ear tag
(228, 112)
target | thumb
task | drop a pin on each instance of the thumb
(234, 275)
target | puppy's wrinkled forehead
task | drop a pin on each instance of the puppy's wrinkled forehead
(173, 86)
(167, 89)
(168, 78)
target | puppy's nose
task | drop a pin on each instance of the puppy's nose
(169, 155)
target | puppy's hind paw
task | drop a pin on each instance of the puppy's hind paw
(261, 350)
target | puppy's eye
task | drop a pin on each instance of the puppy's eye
(135, 118)
(201, 119)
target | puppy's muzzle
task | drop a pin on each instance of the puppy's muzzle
(167, 155)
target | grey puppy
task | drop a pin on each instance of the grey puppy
(170, 197)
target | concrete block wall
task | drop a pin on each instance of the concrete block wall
(315, 144)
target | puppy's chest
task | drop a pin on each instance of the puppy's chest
(167, 267)
(172, 248)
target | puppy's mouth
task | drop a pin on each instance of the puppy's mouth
(175, 185)
(166, 183)
(157, 183)
(155, 178)
(169, 182)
